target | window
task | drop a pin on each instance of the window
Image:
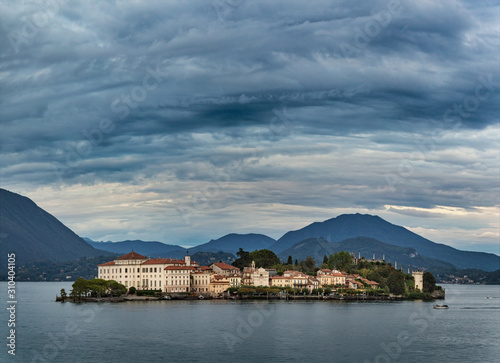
(126, 270)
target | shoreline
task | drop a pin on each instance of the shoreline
(242, 298)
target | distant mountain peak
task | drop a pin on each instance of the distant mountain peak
(346, 226)
(33, 234)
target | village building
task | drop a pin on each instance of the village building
(200, 280)
(280, 281)
(235, 280)
(221, 268)
(218, 284)
(136, 270)
(255, 276)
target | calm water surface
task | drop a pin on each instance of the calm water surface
(231, 331)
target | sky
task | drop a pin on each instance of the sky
(181, 122)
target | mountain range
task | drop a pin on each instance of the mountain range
(34, 234)
(146, 248)
(348, 226)
(364, 247)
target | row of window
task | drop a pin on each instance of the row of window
(132, 270)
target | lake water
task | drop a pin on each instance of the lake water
(253, 331)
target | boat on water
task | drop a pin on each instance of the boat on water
(440, 306)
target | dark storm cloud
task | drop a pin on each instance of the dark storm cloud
(328, 98)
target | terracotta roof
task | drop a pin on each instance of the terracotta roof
(110, 263)
(219, 277)
(163, 261)
(212, 282)
(204, 268)
(225, 266)
(337, 274)
(180, 268)
(132, 256)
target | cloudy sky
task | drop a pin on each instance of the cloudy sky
(184, 121)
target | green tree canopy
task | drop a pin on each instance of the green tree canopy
(264, 258)
(340, 260)
(308, 265)
(429, 282)
(243, 260)
(396, 283)
(290, 261)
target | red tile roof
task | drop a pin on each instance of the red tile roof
(225, 266)
(180, 268)
(132, 256)
(110, 263)
(163, 261)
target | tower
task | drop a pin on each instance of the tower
(419, 279)
(187, 259)
(395, 265)
(383, 257)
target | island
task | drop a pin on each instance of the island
(254, 275)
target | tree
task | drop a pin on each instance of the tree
(264, 258)
(296, 262)
(340, 260)
(328, 291)
(243, 260)
(429, 282)
(80, 288)
(64, 296)
(396, 283)
(308, 265)
(290, 261)
(132, 290)
(325, 259)
(304, 290)
(116, 289)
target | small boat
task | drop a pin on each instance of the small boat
(201, 297)
(440, 306)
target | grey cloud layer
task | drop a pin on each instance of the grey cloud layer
(189, 88)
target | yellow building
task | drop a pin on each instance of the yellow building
(218, 284)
